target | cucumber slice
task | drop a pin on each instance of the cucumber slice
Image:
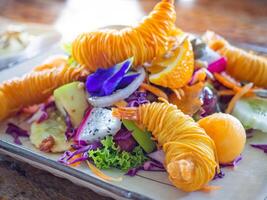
(252, 112)
(55, 127)
(143, 138)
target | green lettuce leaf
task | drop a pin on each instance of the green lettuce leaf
(67, 48)
(110, 156)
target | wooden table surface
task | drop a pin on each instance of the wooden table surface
(238, 20)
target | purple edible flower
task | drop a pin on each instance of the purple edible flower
(105, 81)
(112, 82)
(127, 79)
(95, 81)
(262, 147)
(16, 132)
(234, 163)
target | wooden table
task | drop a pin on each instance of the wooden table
(239, 20)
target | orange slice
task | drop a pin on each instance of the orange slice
(177, 68)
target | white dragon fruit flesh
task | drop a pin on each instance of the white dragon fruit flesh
(97, 124)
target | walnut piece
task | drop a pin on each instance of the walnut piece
(47, 144)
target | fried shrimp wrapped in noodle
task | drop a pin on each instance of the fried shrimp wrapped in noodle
(36, 86)
(242, 65)
(191, 158)
(150, 38)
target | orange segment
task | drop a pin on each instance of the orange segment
(177, 69)
(190, 102)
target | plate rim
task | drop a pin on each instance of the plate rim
(121, 192)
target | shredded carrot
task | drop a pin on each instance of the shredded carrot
(210, 188)
(238, 95)
(226, 92)
(226, 82)
(30, 109)
(156, 91)
(121, 103)
(199, 76)
(100, 174)
(177, 93)
(77, 163)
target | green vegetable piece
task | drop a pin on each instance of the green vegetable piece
(71, 98)
(143, 138)
(54, 126)
(252, 112)
(110, 156)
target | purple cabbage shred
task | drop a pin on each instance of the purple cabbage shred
(220, 175)
(234, 163)
(70, 131)
(16, 132)
(262, 147)
(150, 165)
(79, 149)
(42, 113)
(209, 99)
(249, 133)
(125, 140)
(137, 98)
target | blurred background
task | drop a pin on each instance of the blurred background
(238, 20)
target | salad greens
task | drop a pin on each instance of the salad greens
(110, 156)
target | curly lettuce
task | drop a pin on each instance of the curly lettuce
(110, 156)
(67, 48)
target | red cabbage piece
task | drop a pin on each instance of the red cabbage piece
(137, 98)
(150, 165)
(262, 147)
(234, 163)
(16, 132)
(42, 113)
(125, 140)
(70, 131)
(80, 149)
(218, 66)
(158, 156)
(221, 174)
(250, 132)
(209, 99)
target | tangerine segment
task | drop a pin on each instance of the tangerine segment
(177, 72)
(228, 134)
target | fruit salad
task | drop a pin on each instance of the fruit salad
(184, 110)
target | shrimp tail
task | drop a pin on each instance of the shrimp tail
(190, 154)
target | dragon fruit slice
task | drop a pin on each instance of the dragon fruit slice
(97, 124)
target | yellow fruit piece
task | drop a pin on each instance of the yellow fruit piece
(177, 69)
(228, 134)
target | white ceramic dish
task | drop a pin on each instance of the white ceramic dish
(248, 181)
(43, 38)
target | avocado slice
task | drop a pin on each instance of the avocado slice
(143, 138)
(71, 99)
(54, 127)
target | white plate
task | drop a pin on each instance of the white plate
(44, 37)
(248, 181)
